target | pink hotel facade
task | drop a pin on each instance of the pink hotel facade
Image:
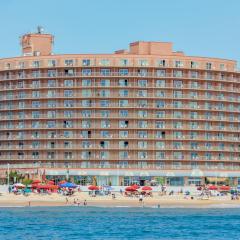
(130, 116)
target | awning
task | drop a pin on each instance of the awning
(216, 179)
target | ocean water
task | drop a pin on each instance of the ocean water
(118, 223)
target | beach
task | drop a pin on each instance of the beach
(173, 201)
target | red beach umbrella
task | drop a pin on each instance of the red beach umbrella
(62, 182)
(93, 188)
(36, 181)
(51, 182)
(213, 187)
(135, 186)
(130, 189)
(225, 188)
(147, 188)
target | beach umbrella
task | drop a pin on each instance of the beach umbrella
(213, 187)
(19, 185)
(68, 185)
(62, 182)
(130, 189)
(135, 186)
(147, 188)
(36, 181)
(51, 182)
(93, 188)
(225, 188)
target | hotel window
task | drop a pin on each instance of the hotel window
(160, 83)
(123, 144)
(177, 84)
(35, 94)
(35, 83)
(160, 94)
(208, 66)
(86, 62)
(85, 155)
(123, 113)
(104, 103)
(123, 62)
(86, 144)
(123, 103)
(105, 72)
(159, 124)
(193, 115)
(123, 93)
(68, 103)
(86, 82)
(194, 64)
(177, 125)
(178, 155)
(51, 103)
(51, 114)
(36, 64)
(36, 104)
(68, 155)
(51, 124)
(143, 63)
(86, 72)
(52, 73)
(194, 84)
(35, 155)
(209, 76)
(177, 145)
(36, 74)
(105, 134)
(142, 155)
(142, 103)
(193, 125)
(142, 83)
(68, 93)
(177, 94)
(104, 93)
(178, 135)
(142, 134)
(51, 83)
(160, 114)
(142, 93)
(194, 156)
(177, 114)
(123, 82)
(21, 64)
(193, 94)
(142, 72)
(68, 83)
(161, 63)
(123, 72)
(104, 62)
(193, 74)
(85, 134)
(161, 73)
(194, 145)
(123, 123)
(142, 124)
(69, 62)
(67, 124)
(86, 93)
(160, 145)
(177, 73)
(177, 104)
(86, 123)
(123, 155)
(51, 93)
(160, 104)
(208, 95)
(86, 113)
(142, 114)
(178, 63)
(222, 67)
(35, 114)
(160, 135)
(105, 124)
(142, 144)
(35, 124)
(123, 134)
(104, 113)
(105, 83)
(52, 63)
(104, 144)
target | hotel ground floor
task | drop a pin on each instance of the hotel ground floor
(125, 177)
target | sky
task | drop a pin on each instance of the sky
(209, 28)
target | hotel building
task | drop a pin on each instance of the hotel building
(136, 115)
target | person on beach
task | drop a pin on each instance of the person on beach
(66, 200)
(85, 203)
(140, 198)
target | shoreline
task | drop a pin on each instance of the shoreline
(55, 200)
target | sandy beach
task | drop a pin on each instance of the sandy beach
(120, 201)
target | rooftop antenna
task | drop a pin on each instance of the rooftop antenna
(40, 29)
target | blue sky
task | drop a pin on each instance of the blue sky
(206, 28)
